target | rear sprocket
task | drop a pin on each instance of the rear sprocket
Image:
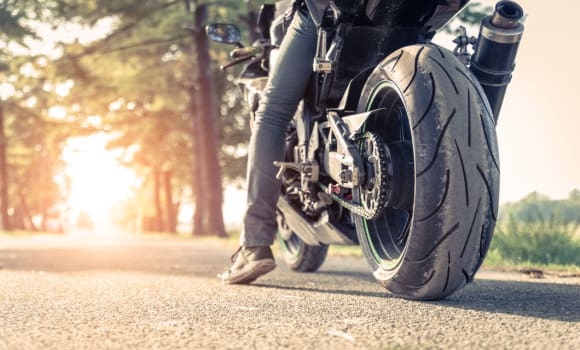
(373, 194)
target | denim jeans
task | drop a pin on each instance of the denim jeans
(285, 89)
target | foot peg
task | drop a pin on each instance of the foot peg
(307, 169)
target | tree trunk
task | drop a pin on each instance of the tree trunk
(157, 199)
(210, 169)
(197, 184)
(251, 21)
(171, 222)
(27, 218)
(3, 175)
(197, 174)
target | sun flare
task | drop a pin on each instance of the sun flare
(97, 180)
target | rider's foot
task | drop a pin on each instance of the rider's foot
(249, 263)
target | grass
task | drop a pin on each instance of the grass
(495, 262)
(542, 244)
(345, 250)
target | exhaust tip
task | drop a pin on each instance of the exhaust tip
(507, 14)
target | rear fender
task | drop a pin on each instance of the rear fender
(349, 101)
(356, 122)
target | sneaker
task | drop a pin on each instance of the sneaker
(249, 263)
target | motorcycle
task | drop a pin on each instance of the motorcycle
(394, 145)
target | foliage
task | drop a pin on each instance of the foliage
(542, 242)
(32, 141)
(538, 230)
(474, 13)
(471, 15)
(141, 79)
(539, 208)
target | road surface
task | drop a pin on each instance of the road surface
(136, 292)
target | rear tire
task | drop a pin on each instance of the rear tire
(435, 245)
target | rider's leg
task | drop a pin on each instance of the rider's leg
(286, 86)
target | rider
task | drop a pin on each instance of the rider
(287, 83)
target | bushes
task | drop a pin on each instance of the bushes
(539, 242)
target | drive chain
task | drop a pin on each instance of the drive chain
(380, 178)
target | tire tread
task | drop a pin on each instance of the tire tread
(443, 99)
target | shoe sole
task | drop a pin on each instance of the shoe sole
(251, 272)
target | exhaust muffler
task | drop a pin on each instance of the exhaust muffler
(495, 52)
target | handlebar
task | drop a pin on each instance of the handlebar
(243, 54)
(238, 61)
(246, 51)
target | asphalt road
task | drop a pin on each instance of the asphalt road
(127, 293)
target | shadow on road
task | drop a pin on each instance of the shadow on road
(357, 274)
(551, 301)
(354, 293)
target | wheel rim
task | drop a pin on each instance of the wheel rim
(291, 244)
(387, 236)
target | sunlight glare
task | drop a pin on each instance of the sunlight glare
(233, 209)
(98, 182)
(57, 112)
(63, 89)
(6, 90)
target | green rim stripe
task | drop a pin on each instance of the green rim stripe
(383, 263)
(287, 248)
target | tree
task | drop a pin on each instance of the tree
(27, 147)
(204, 132)
(471, 15)
(574, 195)
(3, 172)
(474, 12)
(148, 45)
(537, 207)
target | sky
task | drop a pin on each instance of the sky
(539, 124)
(539, 129)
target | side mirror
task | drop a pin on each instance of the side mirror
(224, 33)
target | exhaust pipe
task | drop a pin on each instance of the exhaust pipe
(311, 232)
(494, 58)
